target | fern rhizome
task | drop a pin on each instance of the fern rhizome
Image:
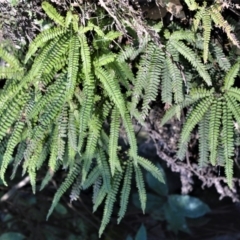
(66, 103)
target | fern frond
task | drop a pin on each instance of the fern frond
(112, 88)
(104, 59)
(206, 19)
(111, 198)
(92, 177)
(203, 145)
(221, 58)
(10, 73)
(12, 143)
(221, 22)
(147, 165)
(113, 140)
(10, 59)
(172, 111)
(99, 197)
(18, 157)
(141, 187)
(199, 93)
(177, 81)
(195, 117)
(153, 76)
(64, 187)
(53, 14)
(230, 76)
(233, 105)
(42, 38)
(166, 85)
(125, 191)
(104, 168)
(228, 143)
(193, 59)
(214, 129)
(73, 63)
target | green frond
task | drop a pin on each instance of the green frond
(10, 59)
(18, 157)
(104, 59)
(42, 38)
(222, 23)
(141, 187)
(206, 19)
(147, 165)
(183, 35)
(104, 168)
(95, 125)
(199, 93)
(166, 85)
(111, 198)
(214, 128)
(112, 88)
(98, 197)
(221, 58)
(91, 178)
(234, 92)
(177, 81)
(182, 148)
(53, 14)
(230, 76)
(12, 143)
(193, 59)
(229, 172)
(64, 187)
(195, 117)
(172, 111)
(131, 136)
(126, 188)
(85, 113)
(113, 141)
(203, 145)
(72, 131)
(12, 113)
(197, 18)
(123, 72)
(228, 142)
(233, 105)
(155, 59)
(10, 73)
(73, 63)
(192, 5)
(47, 178)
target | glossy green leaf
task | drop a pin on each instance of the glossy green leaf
(141, 233)
(188, 206)
(12, 236)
